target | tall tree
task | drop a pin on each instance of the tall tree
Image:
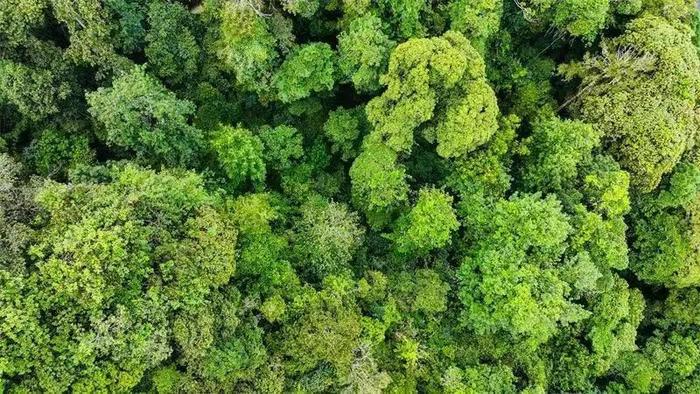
(142, 117)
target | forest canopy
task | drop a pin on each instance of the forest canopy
(350, 196)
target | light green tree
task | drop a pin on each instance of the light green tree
(142, 117)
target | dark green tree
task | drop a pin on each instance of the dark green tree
(171, 48)
(378, 183)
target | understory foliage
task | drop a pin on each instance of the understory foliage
(352, 196)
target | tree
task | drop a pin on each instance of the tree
(263, 253)
(364, 375)
(19, 19)
(477, 20)
(429, 225)
(55, 152)
(37, 90)
(421, 292)
(144, 118)
(340, 196)
(468, 122)
(421, 71)
(510, 284)
(666, 233)
(557, 148)
(363, 53)
(283, 145)
(580, 18)
(127, 25)
(344, 128)
(328, 235)
(405, 16)
(606, 187)
(113, 262)
(248, 45)
(304, 8)
(93, 35)
(324, 330)
(17, 208)
(309, 68)
(480, 378)
(378, 183)
(171, 49)
(668, 358)
(240, 154)
(673, 10)
(483, 178)
(641, 93)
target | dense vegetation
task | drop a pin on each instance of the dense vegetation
(266, 196)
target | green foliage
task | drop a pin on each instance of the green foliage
(556, 149)
(363, 51)
(674, 10)
(16, 211)
(420, 72)
(430, 292)
(327, 237)
(304, 8)
(140, 115)
(606, 187)
(172, 51)
(283, 145)
(309, 68)
(429, 225)
(640, 92)
(479, 379)
(261, 251)
(580, 18)
(53, 153)
(93, 39)
(405, 15)
(478, 20)
(469, 122)
(273, 308)
(343, 129)
(669, 357)
(116, 259)
(667, 233)
(326, 328)
(253, 213)
(378, 183)
(482, 178)
(248, 45)
(510, 283)
(349, 196)
(18, 18)
(36, 92)
(128, 31)
(240, 154)
(617, 313)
